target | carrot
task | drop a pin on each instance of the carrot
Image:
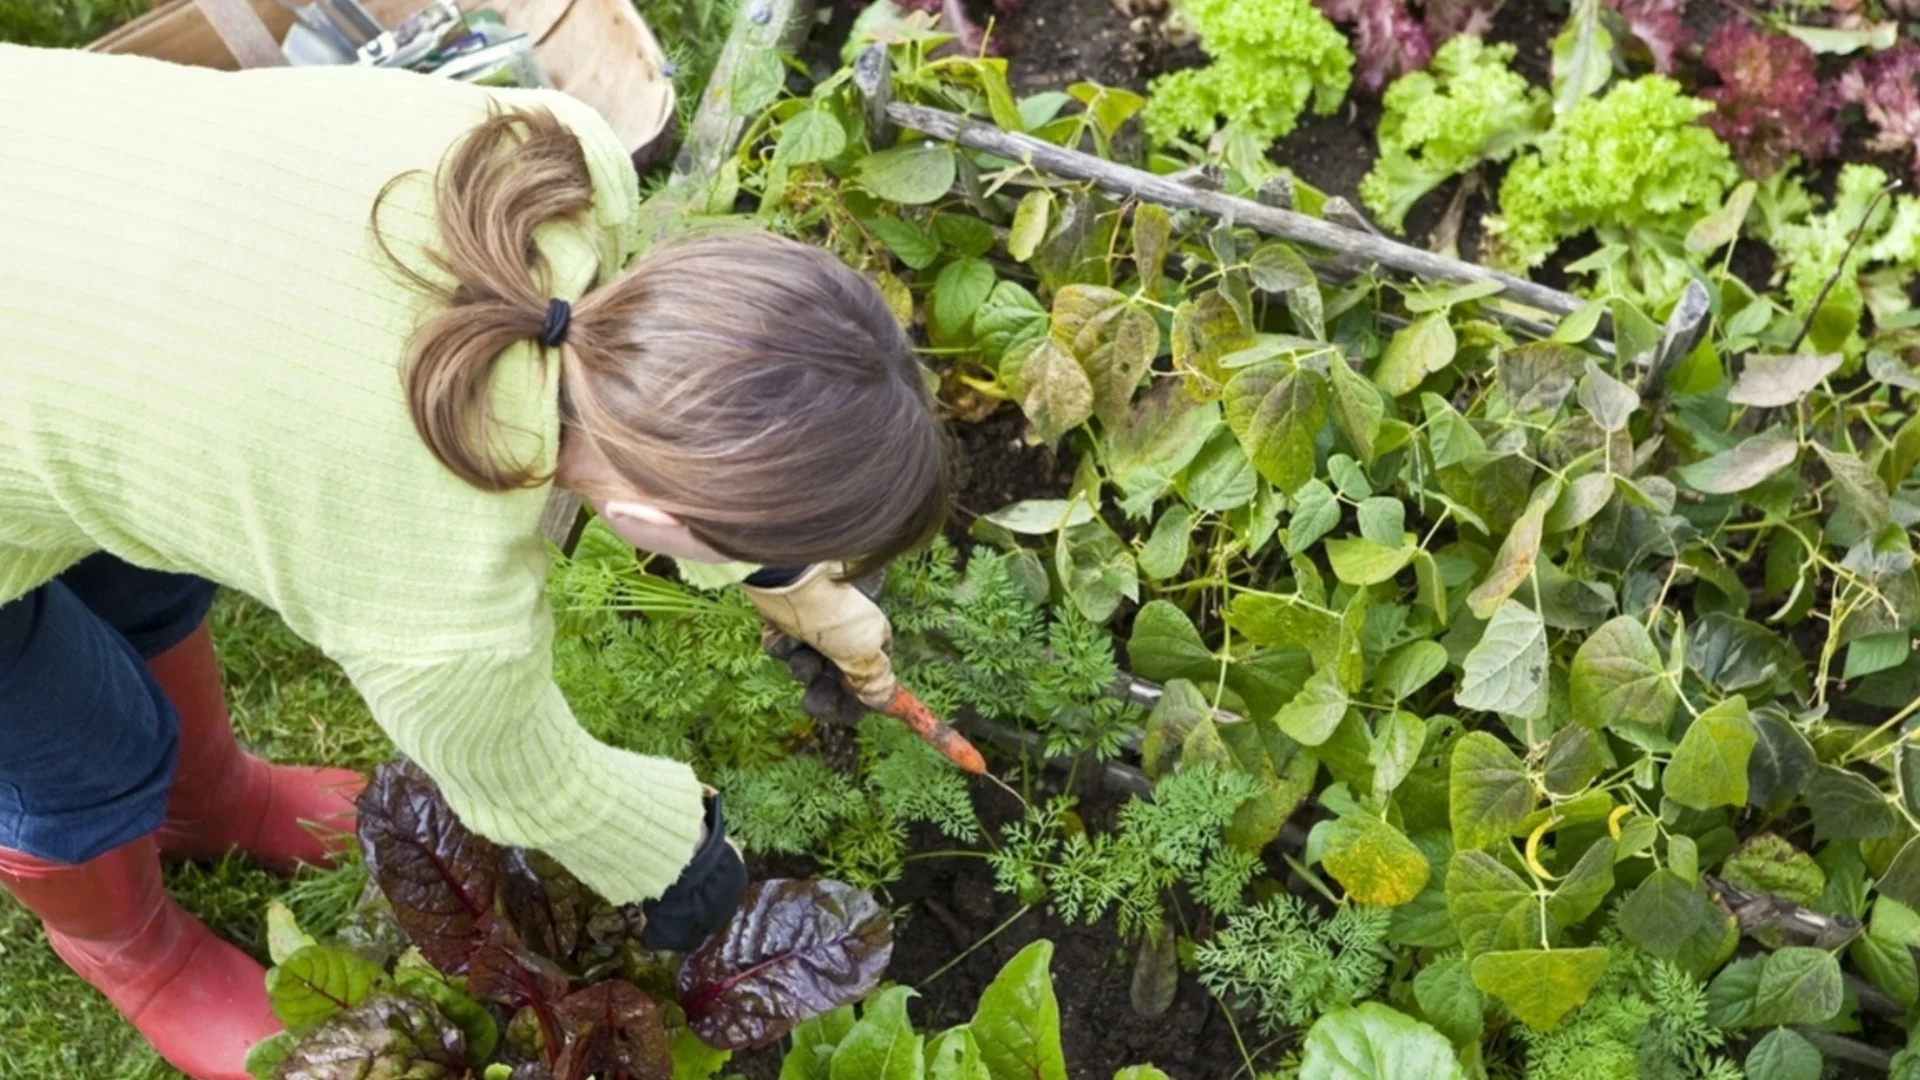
(953, 746)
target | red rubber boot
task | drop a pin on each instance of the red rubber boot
(201, 1002)
(225, 798)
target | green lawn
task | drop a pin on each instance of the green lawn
(290, 704)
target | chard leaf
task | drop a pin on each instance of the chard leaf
(883, 1044)
(319, 981)
(613, 1031)
(1017, 1023)
(439, 876)
(384, 1036)
(792, 950)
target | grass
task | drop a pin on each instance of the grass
(63, 23)
(290, 704)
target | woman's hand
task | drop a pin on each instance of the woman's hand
(834, 638)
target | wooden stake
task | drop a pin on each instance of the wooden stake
(1353, 248)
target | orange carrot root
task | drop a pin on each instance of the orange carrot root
(953, 746)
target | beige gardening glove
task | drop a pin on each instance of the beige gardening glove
(840, 623)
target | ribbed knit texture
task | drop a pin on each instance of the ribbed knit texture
(200, 350)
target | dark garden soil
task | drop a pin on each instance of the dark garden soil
(994, 465)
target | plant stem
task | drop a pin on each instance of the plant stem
(969, 950)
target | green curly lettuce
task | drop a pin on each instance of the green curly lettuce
(1635, 160)
(1469, 107)
(1270, 59)
(1810, 246)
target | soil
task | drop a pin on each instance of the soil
(945, 906)
(994, 466)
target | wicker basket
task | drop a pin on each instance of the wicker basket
(597, 50)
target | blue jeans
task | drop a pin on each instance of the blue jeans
(88, 741)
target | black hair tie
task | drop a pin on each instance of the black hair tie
(559, 316)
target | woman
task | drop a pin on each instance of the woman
(330, 337)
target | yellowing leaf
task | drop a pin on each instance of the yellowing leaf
(1029, 224)
(1415, 353)
(1540, 985)
(1514, 564)
(1375, 862)
(1276, 410)
(1709, 768)
(1051, 386)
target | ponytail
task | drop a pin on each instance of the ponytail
(759, 390)
(514, 173)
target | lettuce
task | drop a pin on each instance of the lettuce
(1887, 87)
(1390, 39)
(1635, 160)
(1471, 107)
(1770, 105)
(1809, 248)
(1270, 58)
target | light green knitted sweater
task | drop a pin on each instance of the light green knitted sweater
(200, 352)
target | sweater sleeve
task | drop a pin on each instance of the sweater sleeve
(494, 732)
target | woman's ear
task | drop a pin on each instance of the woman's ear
(645, 513)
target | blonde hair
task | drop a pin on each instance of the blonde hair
(756, 388)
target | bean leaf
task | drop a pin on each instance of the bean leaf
(1709, 768)
(1489, 794)
(1276, 409)
(1052, 387)
(1773, 381)
(1507, 671)
(1415, 353)
(1618, 677)
(1745, 465)
(1540, 985)
(1313, 714)
(1798, 986)
(792, 950)
(909, 175)
(1783, 1055)
(1374, 862)
(1514, 563)
(1491, 906)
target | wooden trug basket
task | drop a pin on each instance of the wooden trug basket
(599, 51)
